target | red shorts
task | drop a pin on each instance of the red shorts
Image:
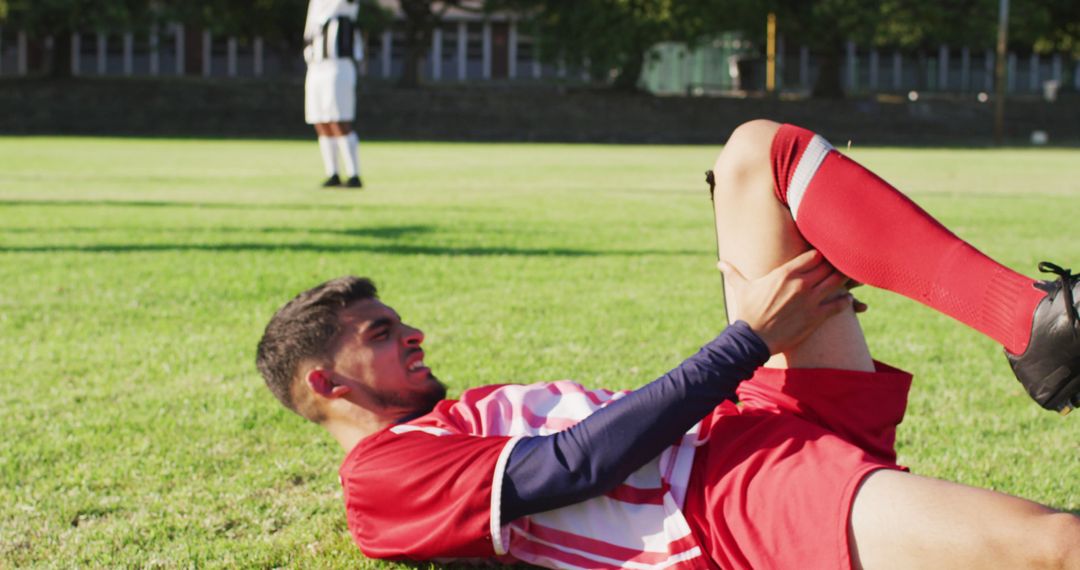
(774, 484)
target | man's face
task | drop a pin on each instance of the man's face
(379, 358)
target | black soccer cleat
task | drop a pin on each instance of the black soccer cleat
(333, 182)
(354, 182)
(1050, 367)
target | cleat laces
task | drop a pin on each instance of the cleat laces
(1068, 279)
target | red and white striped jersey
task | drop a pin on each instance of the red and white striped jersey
(430, 488)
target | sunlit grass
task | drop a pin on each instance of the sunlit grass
(136, 277)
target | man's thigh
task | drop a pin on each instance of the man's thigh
(774, 490)
(900, 520)
(863, 408)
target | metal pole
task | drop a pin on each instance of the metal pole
(155, 60)
(999, 73)
(258, 55)
(770, 50)
(436, 54)
(486, 55)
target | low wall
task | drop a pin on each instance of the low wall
(262, 108)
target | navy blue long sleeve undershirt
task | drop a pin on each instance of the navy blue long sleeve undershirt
(594, 456)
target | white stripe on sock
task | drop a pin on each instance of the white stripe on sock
(809, 162)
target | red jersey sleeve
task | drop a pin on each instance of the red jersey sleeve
(422, 493)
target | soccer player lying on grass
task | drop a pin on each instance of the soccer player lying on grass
(801, 473)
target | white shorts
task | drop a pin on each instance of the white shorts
(330, 91)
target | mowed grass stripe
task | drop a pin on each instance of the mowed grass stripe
(136, 276)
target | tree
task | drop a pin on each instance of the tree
(280, 23)
(273, 20)
(60, 18)
(613, 36)
(1046, 25)
(919, 25)
(421, 19)
(824, 26)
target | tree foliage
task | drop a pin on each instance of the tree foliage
(421, 17)
(824, 26)
(280, 23)
(45, 17)
(1048, 25)
(613, 36)
(916, 25)
(59, 18)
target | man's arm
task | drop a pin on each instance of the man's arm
(594, 456)
(780, 309)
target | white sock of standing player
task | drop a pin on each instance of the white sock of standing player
(328, 149)
(349, 145)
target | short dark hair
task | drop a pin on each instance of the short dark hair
(305, 329)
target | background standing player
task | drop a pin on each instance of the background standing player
(332, 48)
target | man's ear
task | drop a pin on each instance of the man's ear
(321, 381)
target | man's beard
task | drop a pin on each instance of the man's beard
(411, 403)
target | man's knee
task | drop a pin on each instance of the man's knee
(754, 134)
(745, 155)
(1057, 540)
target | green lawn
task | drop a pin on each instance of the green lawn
(136, 276)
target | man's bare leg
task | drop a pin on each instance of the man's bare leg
(898, 520)
(337, 129)
(347, 144)
(328, 150)
(756, 234)
(873, 233)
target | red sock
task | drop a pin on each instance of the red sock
(874, 234)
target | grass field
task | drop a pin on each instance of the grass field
(136, 277)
